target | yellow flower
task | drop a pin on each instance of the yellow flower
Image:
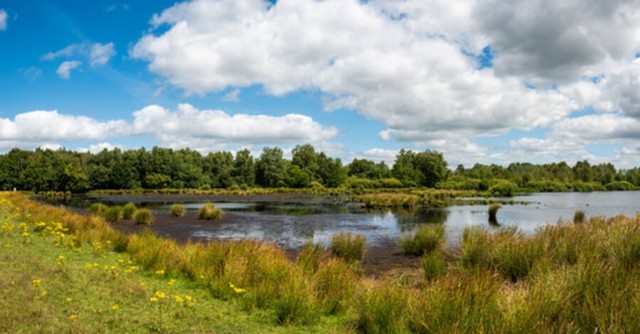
(179, 299)
(153, 299)
(69, 299)
(236, 289)
(160, 272)
(114, 307)
(36, 282)
(160, 295)
(172, 282)
(43, 293)
(73, 316)
(61, 257)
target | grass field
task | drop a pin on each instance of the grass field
(65, 272)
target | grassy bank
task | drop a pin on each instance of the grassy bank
(63, 272)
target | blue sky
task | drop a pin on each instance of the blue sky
(489, 82)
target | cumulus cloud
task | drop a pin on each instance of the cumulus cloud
(101, 53)
(3, 19)
(191, 127)
(64, 70)
(49, 126)
(416, 65)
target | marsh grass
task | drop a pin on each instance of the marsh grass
(209, 212)
(113, 214)
(425, 240)
(143, 216)
(564, 278)
(128, 210)
(97, 209)
(348, 246)
(177, 210)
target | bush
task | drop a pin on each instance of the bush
(620, 185)
(503, 188)
(113, 213)
(348, 246)
(426, 240)
(177, 210)
(97, 209)
(128, 210)
(143, 217)
(210, 212)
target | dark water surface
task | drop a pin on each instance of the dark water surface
(291, 224)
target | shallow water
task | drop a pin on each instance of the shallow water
(292, 224)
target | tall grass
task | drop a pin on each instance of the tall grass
(425, 240)
(210, 212)
(348, 246)
(128, 210)
(177, 210)
(113, 214)
(143, 216)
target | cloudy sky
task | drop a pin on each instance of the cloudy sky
(487, 81)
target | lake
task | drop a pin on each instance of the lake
(291, 224)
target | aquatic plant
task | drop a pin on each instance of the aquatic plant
(128, 210)
(143, 216)
(348, 246)
(97, 209)
(177, 210)
(113, 214)
(210, 212)
(425, 240)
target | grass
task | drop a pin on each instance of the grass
(177, 210)
(128, 210)
(143, 217)
(348, 246)
(209, 212)
(65, 272)
(113, 214)
(425, 240)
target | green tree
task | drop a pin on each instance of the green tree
(271, 168)
(331, 173)
(244, 170)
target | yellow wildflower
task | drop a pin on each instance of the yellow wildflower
(160, 295)
(153, 299)
(171, 282)
(115, 307)
(160, 272)
(36, 282)
(73, 316)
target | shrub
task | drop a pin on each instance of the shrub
(128, 210)
(620, 185)
(578, 217)
(348, 246)
(210, 212)
(177, 210)
(143, 217)
(97, 209)
(113, 213)
(426, 240)
(503, 188)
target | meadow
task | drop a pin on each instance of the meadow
(67, 272)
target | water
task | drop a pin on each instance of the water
(292, 224)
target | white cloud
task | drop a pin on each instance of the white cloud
(64, 70)
(3, 19)
(31, 73)
(43, 126)
(97, 148)
(100, 54)
(232, 96)
(190, 127)
(97, 54)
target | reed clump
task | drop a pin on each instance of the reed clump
(425, 240)
(210, 212)
(177, 210)
(128, 210)
(348, 246)
(143, 216)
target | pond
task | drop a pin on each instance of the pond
(291, 222)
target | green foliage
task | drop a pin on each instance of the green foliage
(382, 310)
(425, 240)
(209, 212)
(97, 209)
(578, 217)
(143, 216)
(620, 185)
(177, 210)
(113, 213)
(128, 210)
(348, 246)
(503, 188)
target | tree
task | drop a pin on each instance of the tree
(271, 168)
(305, 157)
(432, 166)
(330, 171)
(244, 170)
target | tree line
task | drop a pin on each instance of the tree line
(64, 170)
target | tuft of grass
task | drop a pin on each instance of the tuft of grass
(143, 217)
(97, 209)
(425, 240)
(382, 309)
(434, 265)
(177, 210)
(113, 214)
(335, 282)
(210, 212)
(348, 246)
(128, 210)
(578, 217)
(310, 256)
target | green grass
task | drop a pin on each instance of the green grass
(113, 214)
(209, 212)
(425, 240)
(177, 210)
(143, 217)
(128, 210)
(348, 246)
(65, 272)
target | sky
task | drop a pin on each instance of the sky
(482, 81)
